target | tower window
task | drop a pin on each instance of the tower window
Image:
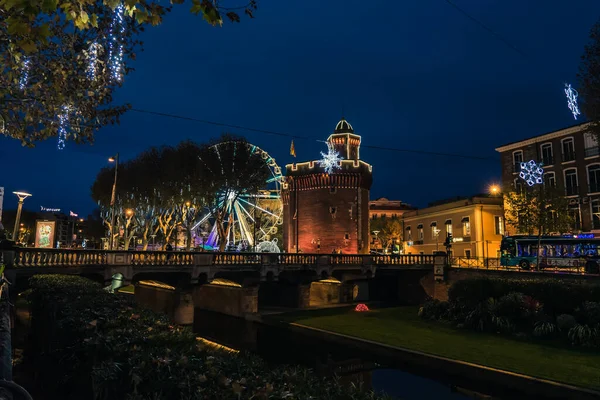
(347, 236)
(332, 210)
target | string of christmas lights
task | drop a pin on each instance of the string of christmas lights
(63, 121)
(92, 55)
(24, 73)
(572, 100)
(331, 160)
(115, 45)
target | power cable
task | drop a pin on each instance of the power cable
(294, 136)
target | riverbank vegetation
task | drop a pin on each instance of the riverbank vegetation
(539, 310)
(402, 327)
(85, 343)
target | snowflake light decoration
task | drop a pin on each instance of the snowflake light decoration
(572, 100)
(331, 160)
(24, 74)
(115, 46)
(531, 172)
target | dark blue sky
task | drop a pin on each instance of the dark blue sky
(409, 74)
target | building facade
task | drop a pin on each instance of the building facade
(384, 208)
(322, 212)
(476, 225)
(571, 163)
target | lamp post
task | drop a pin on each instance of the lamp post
(436, 232)
(204, 235)
(114, 159)
(376, 233)
(153, 244)
(22, 196)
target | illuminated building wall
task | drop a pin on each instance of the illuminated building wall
(326, 212)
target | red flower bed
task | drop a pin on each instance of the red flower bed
(361, 307)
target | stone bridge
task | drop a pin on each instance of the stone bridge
(231, 283)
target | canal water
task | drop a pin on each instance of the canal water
(278, 345)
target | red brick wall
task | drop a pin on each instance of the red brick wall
(317, 224)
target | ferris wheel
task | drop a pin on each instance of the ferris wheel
(250, 218)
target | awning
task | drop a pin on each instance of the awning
(420, 226)
(448, 222)
(434, 223)
(465, 219)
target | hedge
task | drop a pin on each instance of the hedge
(88, 344)
(558, 296)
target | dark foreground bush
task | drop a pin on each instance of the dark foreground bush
(88, 344)
(534, 308)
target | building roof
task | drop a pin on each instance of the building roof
(545, 136)
(343, 127)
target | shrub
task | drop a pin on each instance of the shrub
(434, 309)
(583, 335)
(482, 317)
(589, 313)
(90, 344)
(544, 329)
(565, 322)
(557, 296)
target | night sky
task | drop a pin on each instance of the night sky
(407, 74)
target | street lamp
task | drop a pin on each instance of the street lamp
(153, 244)
(113, 197)
(494, 190)
(22, 196)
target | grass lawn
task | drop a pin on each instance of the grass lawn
(401, 327)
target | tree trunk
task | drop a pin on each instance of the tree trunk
(188, 233)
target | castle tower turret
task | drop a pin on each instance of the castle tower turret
(325, 212)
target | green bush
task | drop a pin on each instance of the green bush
(88, 344)
(565, 322)
(434, 309)
(558, 296)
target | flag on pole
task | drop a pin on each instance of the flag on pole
(292, 149)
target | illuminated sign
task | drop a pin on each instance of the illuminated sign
(581, 236)
(50, 209)
(44, 234)
(457, 239)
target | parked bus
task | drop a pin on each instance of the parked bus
(562, 252)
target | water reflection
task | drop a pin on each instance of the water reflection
(280, 346)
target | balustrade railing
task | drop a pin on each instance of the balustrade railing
(297, 259)
(159, 258)
(32, 257)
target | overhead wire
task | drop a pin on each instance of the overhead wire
(295, 136)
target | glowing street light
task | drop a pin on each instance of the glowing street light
(22, 196)
(494, 190)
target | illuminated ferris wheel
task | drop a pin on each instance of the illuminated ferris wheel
(249, 217)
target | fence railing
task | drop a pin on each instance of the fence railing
(474, 262)
(27, 257)
(32, 257)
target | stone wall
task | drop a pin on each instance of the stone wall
(324, 293)
(175, 304)
(229, 300)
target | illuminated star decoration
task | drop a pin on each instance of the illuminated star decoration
(92, 55)
(115, 46)
(331, 160)
(572, 100)
(24, 74)
(531, 172)
(63, 121)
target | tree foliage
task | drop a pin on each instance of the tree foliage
(46, 53)
(390, 230)
(589, 80)
(537, 210)
(167, 189)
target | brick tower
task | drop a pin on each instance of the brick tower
(325, 212)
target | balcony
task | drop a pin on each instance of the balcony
(568, 156)
(548, 160)
(572, 190)
(592, 151)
